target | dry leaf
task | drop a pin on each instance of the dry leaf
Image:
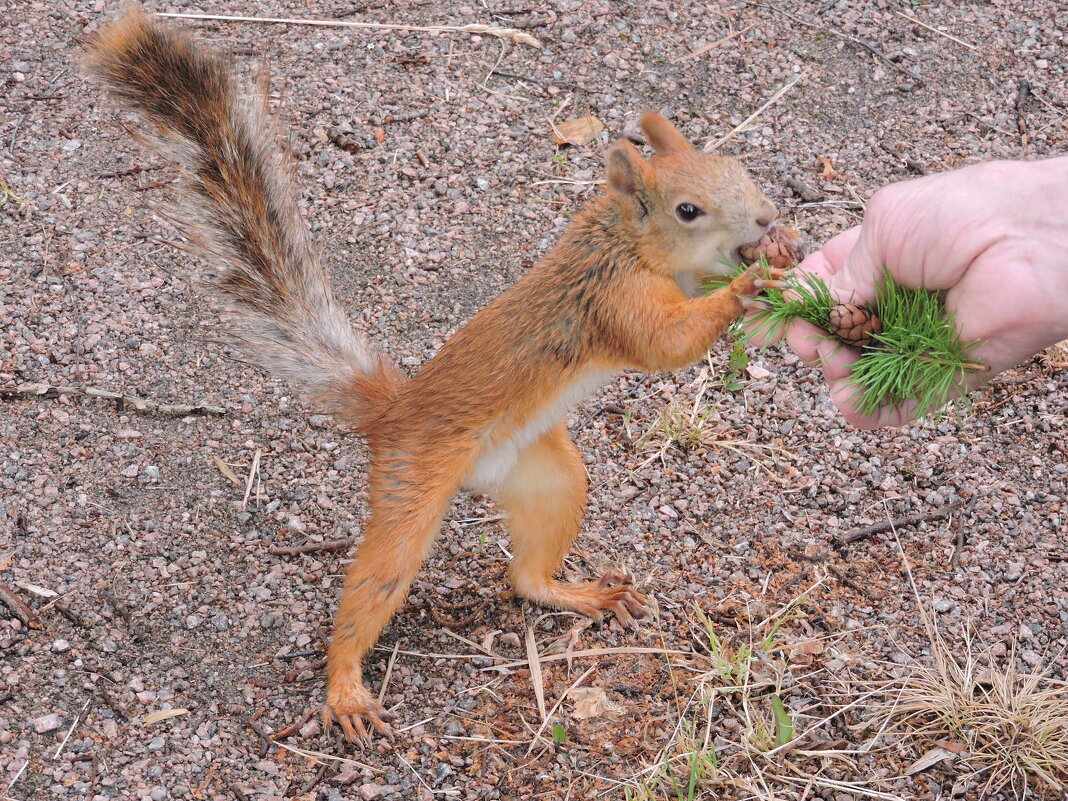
(577, 132)
(811, 647)
(163, 714)
(379, 134)
(829, 173)
(929, 760)
(956, 748)
(224, 468)
(590, 702)
(5, 561)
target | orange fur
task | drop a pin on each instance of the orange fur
(487, 412)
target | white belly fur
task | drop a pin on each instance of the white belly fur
(493, 465)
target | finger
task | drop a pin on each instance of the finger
(839, 247)
(845, 396)
(802, 337)
(835, 359)
(770, 283)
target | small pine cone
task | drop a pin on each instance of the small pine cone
(780, 246)
(854, 323)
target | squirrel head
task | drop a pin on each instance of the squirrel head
(690, 210)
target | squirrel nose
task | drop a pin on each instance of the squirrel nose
(764, 220)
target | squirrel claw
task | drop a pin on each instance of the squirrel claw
(353, 712)
(755, 304)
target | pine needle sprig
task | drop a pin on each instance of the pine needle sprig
(917, 356)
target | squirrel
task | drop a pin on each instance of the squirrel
(488, 412)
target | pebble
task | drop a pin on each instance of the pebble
(48, 723)
(60, 647)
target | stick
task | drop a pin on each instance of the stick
(710, 146)
(489, 30)
(25, 615)
(710, 46)
(935, 30)
(122, 402)
(889, 525)
(310, 547)
(121, 611)
(253, 471)
(844, 36)
(807, 193)
(286, 732)
(1021, 98)
(70, 731)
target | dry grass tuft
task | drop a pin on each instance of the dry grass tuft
(1011, 728)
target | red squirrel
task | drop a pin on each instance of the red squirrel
(488, 412)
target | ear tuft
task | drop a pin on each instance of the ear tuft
(663, 136)
(627, 170)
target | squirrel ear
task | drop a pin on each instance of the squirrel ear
(627, 172)
(663, 136)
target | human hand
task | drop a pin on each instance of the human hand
(993, 238)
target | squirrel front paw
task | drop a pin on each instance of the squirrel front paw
(351, 704)
(754, 281)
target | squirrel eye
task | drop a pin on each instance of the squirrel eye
(688, 212)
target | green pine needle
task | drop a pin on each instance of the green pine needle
(918, 356)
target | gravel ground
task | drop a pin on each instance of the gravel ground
(450, 187)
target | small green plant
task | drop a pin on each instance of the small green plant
(559, 735)
(560, 158)
(736, 364)
(7, 193)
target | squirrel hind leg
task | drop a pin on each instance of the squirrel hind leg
(545, 496)
(405, 518)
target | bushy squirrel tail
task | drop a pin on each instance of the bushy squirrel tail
(239, 207)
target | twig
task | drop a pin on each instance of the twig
(310, 547)
(121, 611)
(15, 133)
(70, 731)
(233, 788)
(264, 735)
(890, 525)
(130, 171)
(935, 30)
(710, 46)
(914, 165)
(389, 673)
(253, 471)
(320, 774)
(710, 146)
(286, 732)
(479, 28)
(25, 615)
(153, 184)
(841, 35)
(67, 612)
(122, 402)
(1021, 98)
(807, 193)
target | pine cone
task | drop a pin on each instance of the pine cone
(854, 323)
(780, 246)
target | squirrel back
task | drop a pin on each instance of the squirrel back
(238, 206)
